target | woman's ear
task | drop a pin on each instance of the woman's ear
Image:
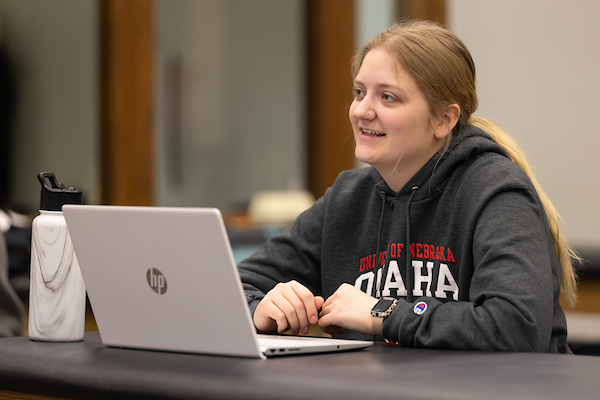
(447, 120)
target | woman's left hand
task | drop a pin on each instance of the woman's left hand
(348, 308)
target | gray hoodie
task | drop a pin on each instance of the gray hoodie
(465, 246)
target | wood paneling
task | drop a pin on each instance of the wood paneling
(422, 9)
(330, 47)
(5, 394)
(127, 93)
(588, 296)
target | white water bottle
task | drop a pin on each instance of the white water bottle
(56, 289)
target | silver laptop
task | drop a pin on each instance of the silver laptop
(165, 279)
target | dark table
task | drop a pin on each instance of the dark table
(90, 370)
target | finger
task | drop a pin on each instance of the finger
(268, 317)
(290, 319)
(328, 318)
(329, 301)
(319, 302)
(325, 319)
(325, 309)
(303, 302)
(309, 313)
(286, 302)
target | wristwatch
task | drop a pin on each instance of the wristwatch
(382, 309)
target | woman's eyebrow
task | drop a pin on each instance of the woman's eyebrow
(388, 86)
(380, 85)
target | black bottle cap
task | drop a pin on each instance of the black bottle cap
(55, 195)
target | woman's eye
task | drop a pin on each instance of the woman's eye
(358, 92)
(388, 97)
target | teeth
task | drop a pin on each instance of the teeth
(370, 132)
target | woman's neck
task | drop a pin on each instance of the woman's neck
(395, 179)
(397, 176)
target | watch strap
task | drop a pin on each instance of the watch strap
(377, 325)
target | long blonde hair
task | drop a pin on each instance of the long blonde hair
(442, 67)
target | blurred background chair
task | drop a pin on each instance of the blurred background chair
(11, 306)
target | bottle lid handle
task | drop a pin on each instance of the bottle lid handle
(50, 177)
(55, 194)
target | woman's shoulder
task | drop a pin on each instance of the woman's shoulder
(493, 172)
(480, 158)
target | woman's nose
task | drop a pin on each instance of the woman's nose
(364, 110)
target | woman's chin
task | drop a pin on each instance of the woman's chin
(364, 158)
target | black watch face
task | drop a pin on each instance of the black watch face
(383, 305)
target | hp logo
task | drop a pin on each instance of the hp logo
(156, 280)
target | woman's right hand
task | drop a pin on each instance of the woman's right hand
(288, 305)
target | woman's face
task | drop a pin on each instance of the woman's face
(393, 128)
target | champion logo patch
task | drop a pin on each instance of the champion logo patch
(420, 308)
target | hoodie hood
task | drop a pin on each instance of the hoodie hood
(433, 176)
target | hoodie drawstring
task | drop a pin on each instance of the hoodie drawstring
(409, 274)
(408, 267)
(377, 285)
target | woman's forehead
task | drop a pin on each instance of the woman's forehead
(384, 68)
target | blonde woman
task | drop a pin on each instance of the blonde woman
(445, 241)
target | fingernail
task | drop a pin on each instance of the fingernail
(313, 319)
(305, 330)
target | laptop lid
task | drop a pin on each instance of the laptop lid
(165, 278)
(162, 278)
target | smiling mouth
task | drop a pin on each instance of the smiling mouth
(371, 133)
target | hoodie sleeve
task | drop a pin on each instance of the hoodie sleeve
(513, 291)
(293, 254)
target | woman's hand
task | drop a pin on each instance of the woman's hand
(348, 308)
(288, 305)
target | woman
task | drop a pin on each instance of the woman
(446, 241)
